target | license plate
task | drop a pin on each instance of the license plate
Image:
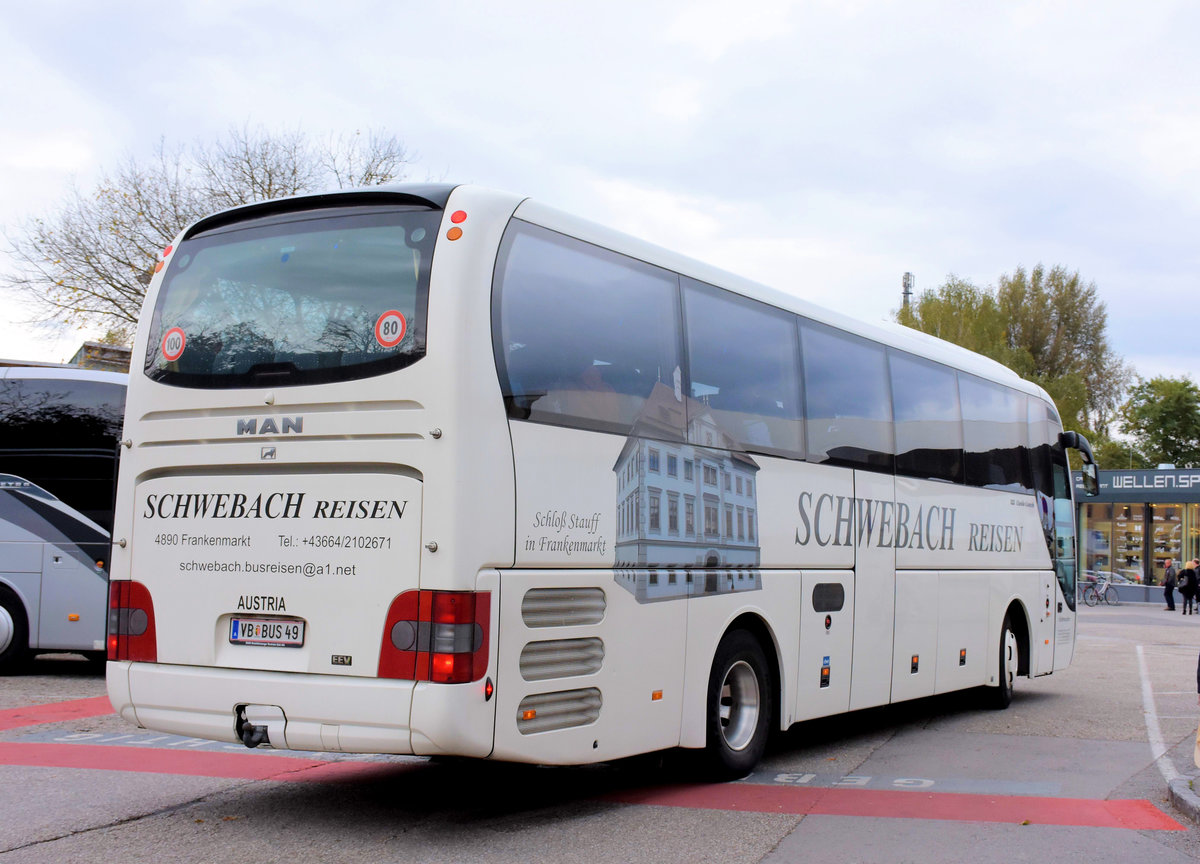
(275, 632)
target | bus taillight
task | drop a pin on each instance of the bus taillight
(131, 622)
(438, 636)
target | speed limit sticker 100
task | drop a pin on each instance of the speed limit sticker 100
(173, 343)
(390, 329)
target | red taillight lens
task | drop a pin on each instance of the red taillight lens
(438, 636)
(452, 608)
(131, 633)
(398, 654)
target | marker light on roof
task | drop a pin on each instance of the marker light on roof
(163, 260)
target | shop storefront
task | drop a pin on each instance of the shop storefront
(1140, 519)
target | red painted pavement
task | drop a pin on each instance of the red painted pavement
(895, 804)
(54, 712)
(191, 763)
(741, 797)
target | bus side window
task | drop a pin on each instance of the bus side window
(929, 442)
(61, 434)
(744, 369)
(994, 435)
(585, 337)
(1042, 438)
(848, 403)
(52, 413)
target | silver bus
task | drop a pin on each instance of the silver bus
(59, 432)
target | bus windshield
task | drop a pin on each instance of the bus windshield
(298, 298)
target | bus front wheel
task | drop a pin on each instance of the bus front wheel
(14, 632)
(1009, 661)
(738, 719)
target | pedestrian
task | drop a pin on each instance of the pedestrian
(1194, 566)
(1169, 585)
(1187, 587)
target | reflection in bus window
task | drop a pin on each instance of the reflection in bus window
(60, 433)
(847, 397)
(928, 420)
(743, 364)
(295, 301)
(585, 336)
(994, 435)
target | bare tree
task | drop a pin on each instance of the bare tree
(354, 161)
(89, 261)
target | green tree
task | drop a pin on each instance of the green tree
(1047, 325)
(1114, 453)
(961, 313)
(1163, 417)
(1056, 329)
(89, 261)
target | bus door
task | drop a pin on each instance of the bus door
(1063, 606)
(1044, 625)
(875, 525)
(74, 599)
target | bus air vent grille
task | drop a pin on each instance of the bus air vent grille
(545, 712)
(561, 658)
(562, 607)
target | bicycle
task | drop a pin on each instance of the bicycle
(1101, 589)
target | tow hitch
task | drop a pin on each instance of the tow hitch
(261, 724)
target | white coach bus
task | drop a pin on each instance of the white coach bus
(440, 470)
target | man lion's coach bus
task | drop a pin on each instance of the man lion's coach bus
(59, 428)
(440, 470)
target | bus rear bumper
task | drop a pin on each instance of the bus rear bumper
(203, 702)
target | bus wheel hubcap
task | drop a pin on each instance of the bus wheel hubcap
(1010, 659)
(739, 705)
(6, 629)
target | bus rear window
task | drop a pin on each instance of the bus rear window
(300, 298)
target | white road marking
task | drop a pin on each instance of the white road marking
(1158, 747)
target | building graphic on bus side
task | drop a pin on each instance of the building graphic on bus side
(684, 506)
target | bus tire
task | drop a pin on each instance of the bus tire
(738, 720)
(1006, 674)
(14, 632)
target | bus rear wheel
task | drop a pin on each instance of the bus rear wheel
(738, 719)
(14, 632)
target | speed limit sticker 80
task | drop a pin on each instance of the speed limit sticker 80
(390, 329)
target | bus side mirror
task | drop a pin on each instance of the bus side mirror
(1091, 482)
(1091, 479)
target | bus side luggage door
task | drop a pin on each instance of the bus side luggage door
(826, 643)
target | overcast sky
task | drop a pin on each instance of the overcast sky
(824, 148)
